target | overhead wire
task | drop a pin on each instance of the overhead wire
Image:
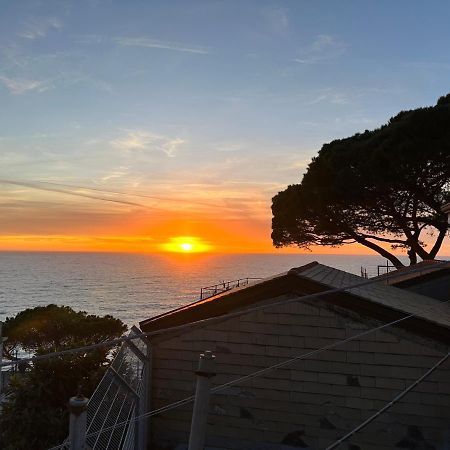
(198, 323)
(397, 398)
(261, 372)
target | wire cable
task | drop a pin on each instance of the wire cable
(390, 404)
(189, 325)
(255, 375)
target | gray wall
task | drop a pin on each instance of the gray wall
(312, 402)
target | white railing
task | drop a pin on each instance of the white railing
(210, 291)
(120, 396)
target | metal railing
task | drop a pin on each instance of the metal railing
(120, 396)
(134, 378)
(383, 269)
(211, 291)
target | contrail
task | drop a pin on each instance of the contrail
(40, 186)
(131, 194)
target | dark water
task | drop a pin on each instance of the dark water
(134, 287)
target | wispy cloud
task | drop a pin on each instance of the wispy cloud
(22, 71)
(277, 19)
(43, 187)
(146, 141)
(20, 86)
(140, 41)
(98, 193)
(229, 146)
(114, 174)
(39, 27)
(154, 43)
(323, 49)
(329, 95)
(90, 39)
(77, 239)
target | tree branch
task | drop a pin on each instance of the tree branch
(412, 240)
(437, 245)
(381, 239)
(383, 252)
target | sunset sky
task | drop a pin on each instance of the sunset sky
(137, 125)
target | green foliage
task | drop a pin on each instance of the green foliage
(48, 328)
(36, 416)
(382, 188)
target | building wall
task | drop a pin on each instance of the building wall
(313, 402)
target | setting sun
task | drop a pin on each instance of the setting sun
(185, 244)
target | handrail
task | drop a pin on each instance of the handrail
(210, 291)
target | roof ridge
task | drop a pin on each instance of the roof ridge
(296, 270)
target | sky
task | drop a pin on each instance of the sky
(132, 126)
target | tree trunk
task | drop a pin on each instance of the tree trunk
(412, 257)
(438, 243)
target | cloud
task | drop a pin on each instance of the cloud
(277, 19)
(39, 27)
(170, 202)
(79, 239)
(91, 39)
(230, 146)
(42, 187)
(154, 43)
(323, 49)
(119, 173)
(330, 96)
(146, 141)
(20, 86)
(141, 41)
(22, 71)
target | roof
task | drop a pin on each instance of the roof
(406, 302)
(446, 208)
(223, 303)
(416, 273)
(376, 300)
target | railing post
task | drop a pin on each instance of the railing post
(201, 404)
(77, 428)
(1, 357)
(141, 425)
(145, 399)
(3, 380)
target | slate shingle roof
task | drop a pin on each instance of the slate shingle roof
(407, 302)
(377, 299)
(416, 272)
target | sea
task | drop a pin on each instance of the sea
(135, 287)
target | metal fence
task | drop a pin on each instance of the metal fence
(120, 396)
(383, 269)
(210, 291)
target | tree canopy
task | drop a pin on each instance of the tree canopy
(35, 415)
(50, 328)
(383, 189)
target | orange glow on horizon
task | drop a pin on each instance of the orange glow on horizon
(148, 244)
(180, 229)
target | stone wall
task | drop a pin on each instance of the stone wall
(312, 402)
